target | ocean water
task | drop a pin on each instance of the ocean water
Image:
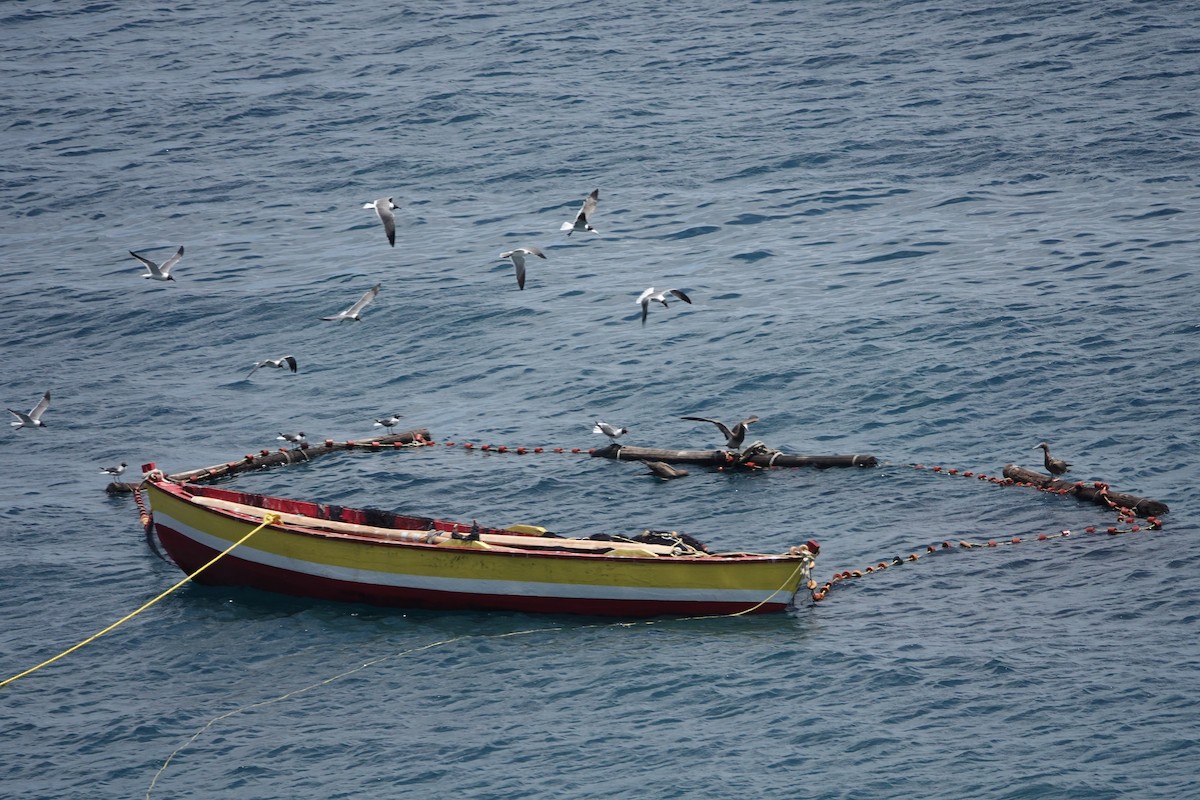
(934, 233)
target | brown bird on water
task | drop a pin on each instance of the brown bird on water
(1055, 466)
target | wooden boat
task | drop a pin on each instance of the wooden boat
(371, 556)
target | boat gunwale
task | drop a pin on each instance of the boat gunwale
(184, 493)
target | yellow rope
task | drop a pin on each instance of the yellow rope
(267, 520)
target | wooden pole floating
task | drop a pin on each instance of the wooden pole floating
(274, 458)
(721, 458)
(1087, 491)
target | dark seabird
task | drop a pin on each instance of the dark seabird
(354, 312)
(34, 418)
(580, 223)
(115, 472)
(294, 438)
(664, 470)
(156, 272)
(1055, 466)
(733, 437)
(650, 295)
(611, 431)
(383, 207)
(275, 363)
(518, 260)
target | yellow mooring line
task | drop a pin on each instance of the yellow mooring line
(267, 520)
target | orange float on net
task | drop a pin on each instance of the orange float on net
(1016, 540)
(468, 446)
(502, 449)
(1042, 537)
(575, 450)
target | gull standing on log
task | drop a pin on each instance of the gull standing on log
(354, 312)
(518, 259)
(383, 207)
(275, 363)
(156, 272)
(611, 431)
(388, 422)
(294, 438)
(733, 436)
(580, 223)
(114, 472)
(34, 418)
(1055, 466)
(658, 297)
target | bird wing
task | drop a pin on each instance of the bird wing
(750, 420)
(724, 429)
(21, 415)
(534, 251)
(150, 265)
(681, 296)
(291, 362)
(172, 261)
(389, 220)
(589, 206)
(364, 301)
(257, 364)
(519, 266)
(41, 407)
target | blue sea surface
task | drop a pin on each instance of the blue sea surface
(933, 233)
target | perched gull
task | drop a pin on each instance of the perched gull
(388, 422)
(733, 437)
(518, 260)
(1055, 466)
(115, 472)
(156, 272)
(658, 297)
(294, 438)
(611, 431)
(276, 363)
(580, 223)
(354, 312)
(383, 207)
(34, 418)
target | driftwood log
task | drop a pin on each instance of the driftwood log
(275, 458)
(1087, 491)
(720, 458)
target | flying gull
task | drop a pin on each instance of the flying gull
(275, 363)
(580, 223)
(518, 260)
(115, 472)
(34, 418)
(611, 431)
(733, 437)
(354, 312)
(383, 207)
(388, 422)
(156, 272)
(658, 297)
(1055, 466)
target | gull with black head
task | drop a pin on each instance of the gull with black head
(354, 312)
(383, 208)
(288, 362)
(517, 256)
(34, 418)
(159, 272)
(581, 221)
(650, 296)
